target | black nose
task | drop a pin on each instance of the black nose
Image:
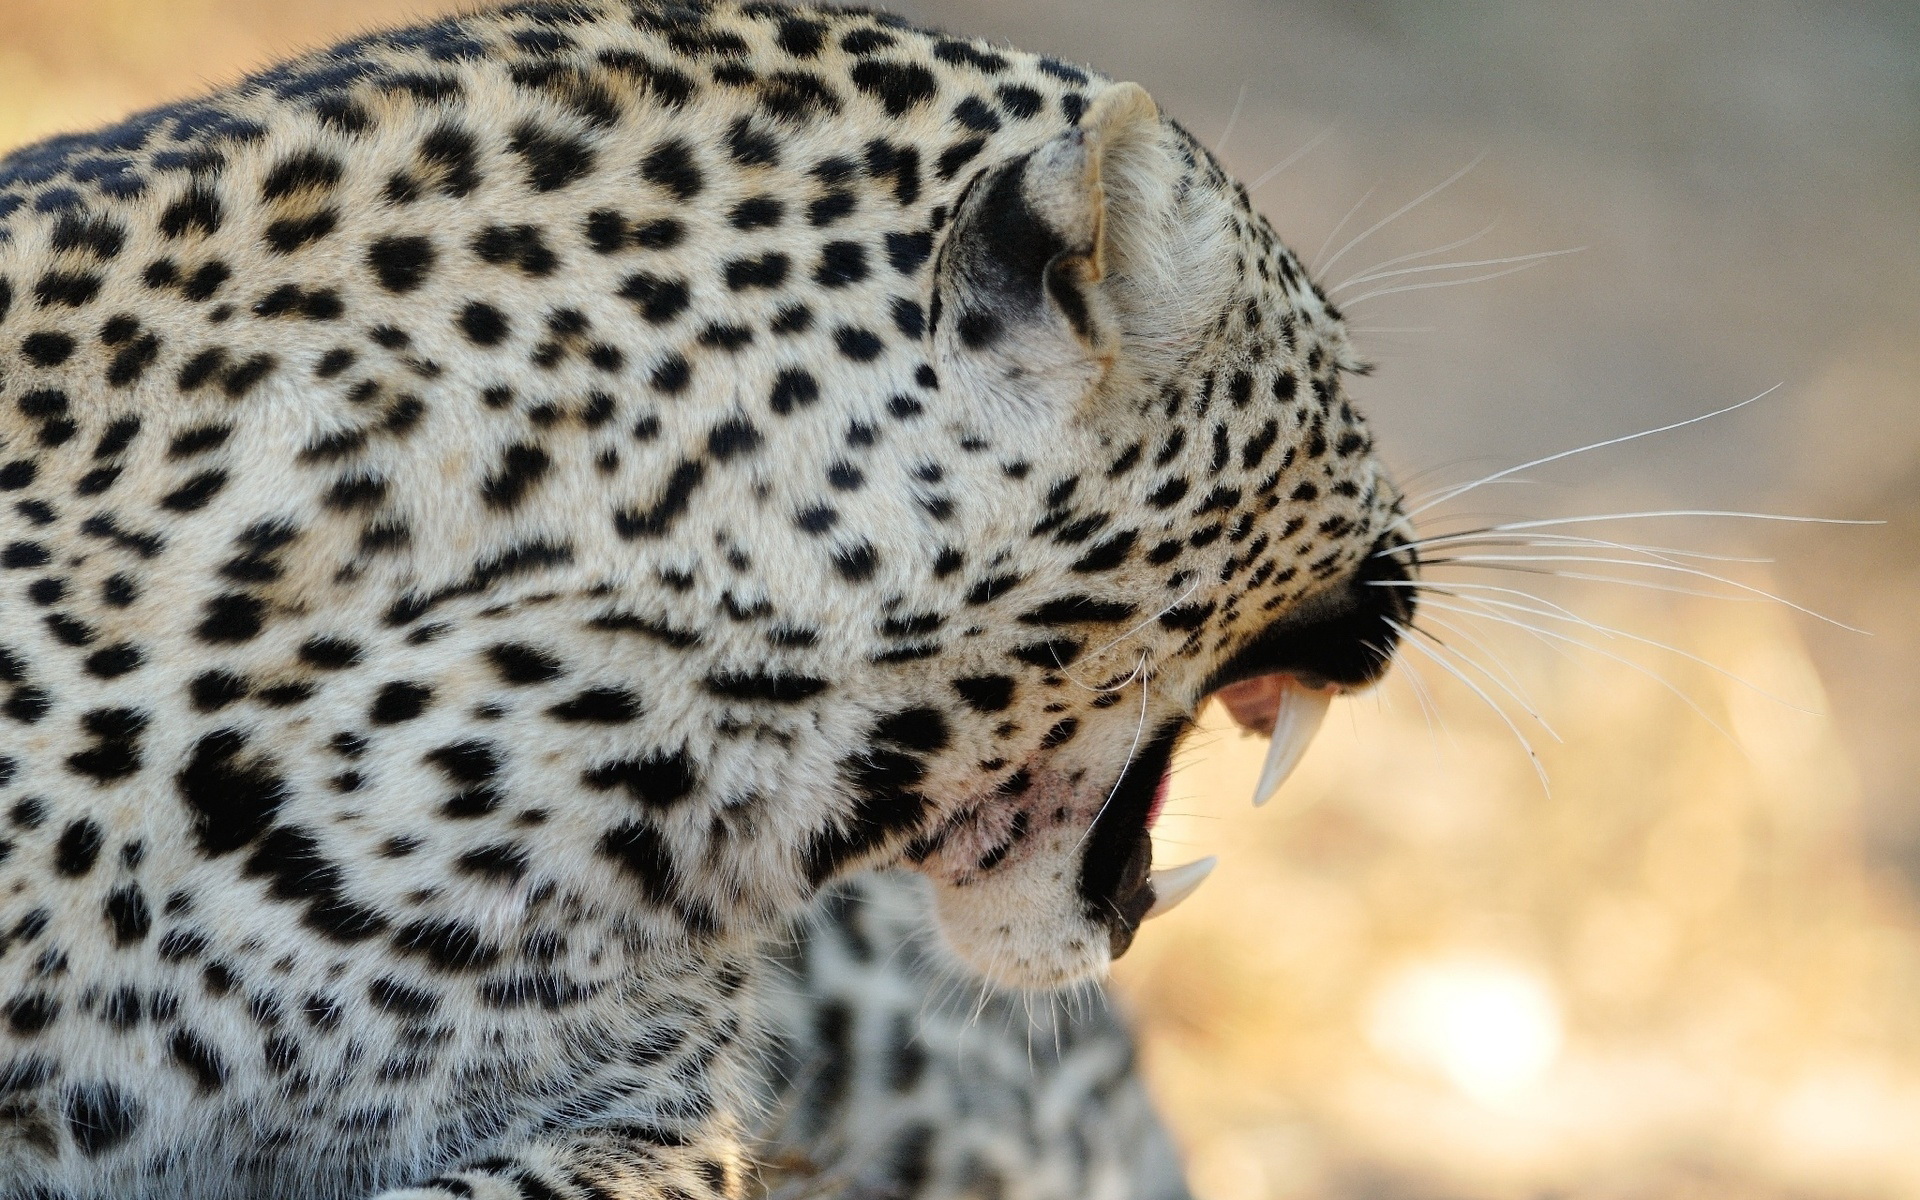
(1345, 635)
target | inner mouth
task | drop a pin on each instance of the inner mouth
(1281, 683)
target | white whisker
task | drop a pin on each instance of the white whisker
(1680, 512)
(1624, 661)
(1125, 765)
(1376, 276)
(1416, 255)
(1611, 631)
(1511, 684)
(1342, 224)
(1658, 566)
(1267, 176)
(1406, 639)
(1437, 283)
(1402, 211)
(1233, 118)
(1568, 541)
(1508, 472)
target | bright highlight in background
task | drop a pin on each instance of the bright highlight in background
(1489, 1027)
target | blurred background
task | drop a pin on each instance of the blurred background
(1681, 958)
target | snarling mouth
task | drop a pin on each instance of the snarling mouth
(1281, 683)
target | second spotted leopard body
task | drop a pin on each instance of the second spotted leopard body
(498, 514)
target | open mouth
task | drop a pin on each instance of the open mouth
(1281, 683)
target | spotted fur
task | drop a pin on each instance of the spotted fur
(894, 1076)
(497, 514)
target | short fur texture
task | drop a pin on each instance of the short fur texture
(497, 514)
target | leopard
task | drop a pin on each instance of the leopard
(502, 515)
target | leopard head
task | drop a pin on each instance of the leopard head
(1195, 507)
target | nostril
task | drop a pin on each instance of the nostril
(1344, 636)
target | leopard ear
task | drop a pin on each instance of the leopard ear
(1025, 308)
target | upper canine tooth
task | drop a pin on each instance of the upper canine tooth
(1298, 719)
(1174, 884)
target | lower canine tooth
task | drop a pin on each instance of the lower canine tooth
(1175, 884)
(1298, 719)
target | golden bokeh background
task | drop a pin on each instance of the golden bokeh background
(1687, 964)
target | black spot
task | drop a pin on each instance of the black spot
(674, 499)
(98, 236)
(598, 706)
(986, 693)
(899, 86)
(128, 915)
(659, 780)
(1169, 493)
(800, 37)
(771, 687)
(791, 319)
(522, 465)
(194, 494)
(231, 802)
(766, 271)
(733, 437)
(292, 859)
(1049, 655)
(46, 349)
(114, 661)
(214, 690)
(659, 299)
(726, 337)
(841, 263)
(451, 154)
(231, 617)
(197, 210)
(751, 147)
(856, 563)
(922, 729)
(21, 555)
(1078, 609)
(865, 41)
(397, 999)
(522, 246)
(671, 165)
(66, 289)
(909, 318)
(78, 848)
(99, 1117)
(1107, 555)
(399, 701)
(447, 944)
(466, 762)
(644, 854)
(483, 324)
(502, 862)
(860, 345)
(291, 233)
(958, 155)
(793, 388)
(791, 96)
(306, 170)
(330, 654)
(31, 1013)
(974, 113)
(518, 663)
(196, 1058)
(553, 159)
(401, 263)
